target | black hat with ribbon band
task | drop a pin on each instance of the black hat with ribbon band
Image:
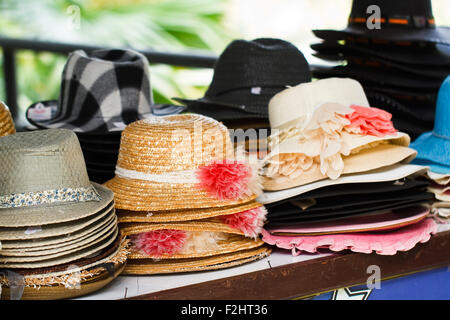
(100, 92)
(246, 75)
(396, 21)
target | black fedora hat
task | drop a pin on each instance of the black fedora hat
(438, 72)
(247, 75)
(380, 76)
(400, 21)
(101, 92)
(436, 55)
(406, 119)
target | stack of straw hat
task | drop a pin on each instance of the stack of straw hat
(6, 122)
(184, 199)
(58, 231)
(337, 174)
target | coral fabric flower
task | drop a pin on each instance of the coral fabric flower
(250, 222)
(160, 242)
(225, 180)
(370, 121)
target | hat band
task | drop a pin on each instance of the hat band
(185, 176)
(403, 21)
(28, 199)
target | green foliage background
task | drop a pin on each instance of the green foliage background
(164, 25)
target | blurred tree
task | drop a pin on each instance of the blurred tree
(164, 25)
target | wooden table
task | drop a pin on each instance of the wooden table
(282, 276)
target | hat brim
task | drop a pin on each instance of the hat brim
(396, 78)
(219, 110)
(60, 258)
(380, 156)
(439, 35)
(60, 240)
(236, 104)
(386, 65)
(390, 173)
(433, 151)
(436, 57)
(62, 248)
(382, 221)
(95, 125)
(150, 266)
(41, 285)
(51, 214)
(140, 195)
(183, 214)
(383, 243)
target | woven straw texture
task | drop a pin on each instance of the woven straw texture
(233, 243)
(164, 145)
(6, 122)
(150, 266)
(210, 225)
(183, 215)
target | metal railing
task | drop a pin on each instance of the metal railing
(10, 46)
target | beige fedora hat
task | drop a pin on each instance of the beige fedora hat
(52, 233)
(6, 121)
(69, 280)
(44, 180)
(32, 262)
(180, 162)
(62, 248)
(326, 128)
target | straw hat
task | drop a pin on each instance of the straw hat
(195, 241)
(151, 266)
(68, 280)
(326, 128)
(6, 122)
(30, 195)
(180, 162)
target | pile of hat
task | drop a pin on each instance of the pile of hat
(184, 198)
(58, 231)
(246, 75)
(100, 94)
(434, 151)
(6, 121)
(398, 54)
(337, 176)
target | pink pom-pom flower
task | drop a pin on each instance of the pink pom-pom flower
(160, 242)
(370, 121)
(250, 222)
(226, 179)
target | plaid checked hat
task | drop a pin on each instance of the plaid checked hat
(100, 92)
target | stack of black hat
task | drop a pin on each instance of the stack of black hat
(398, 54)
(100, 94)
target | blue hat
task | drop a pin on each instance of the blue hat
(434, 147)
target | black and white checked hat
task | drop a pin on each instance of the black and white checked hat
(100, 92)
